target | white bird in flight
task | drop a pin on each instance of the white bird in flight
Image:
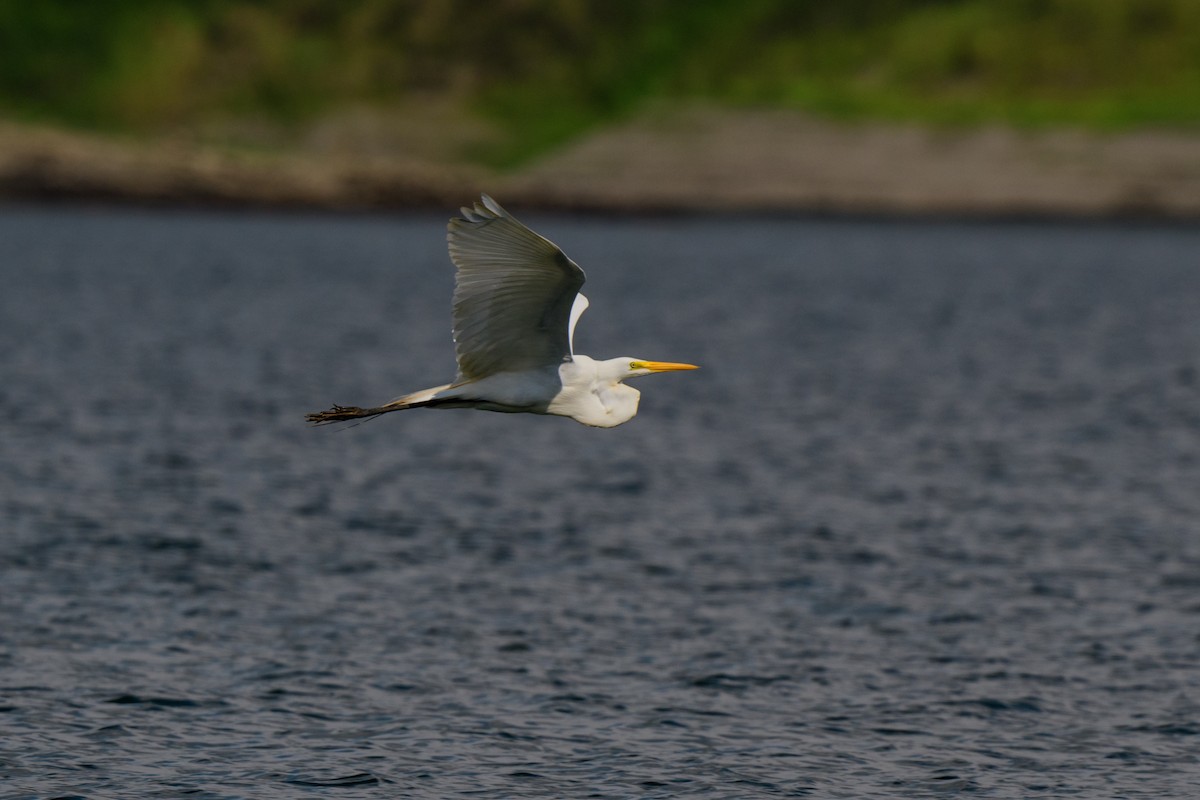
(516, 302)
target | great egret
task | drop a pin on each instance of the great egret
(516, 302)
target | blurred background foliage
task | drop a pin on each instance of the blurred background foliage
(543, 72)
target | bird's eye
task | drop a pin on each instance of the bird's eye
(633, 365)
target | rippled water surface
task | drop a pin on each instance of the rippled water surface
(926, 523)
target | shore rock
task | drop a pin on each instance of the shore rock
(694, 160)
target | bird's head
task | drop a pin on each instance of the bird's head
(594, 392)
(627, 367)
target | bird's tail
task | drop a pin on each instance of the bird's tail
(343, 413)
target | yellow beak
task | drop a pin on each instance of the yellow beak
(662, 366)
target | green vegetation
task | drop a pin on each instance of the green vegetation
(546, 71)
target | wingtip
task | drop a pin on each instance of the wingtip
(490, 204)
(483, 211)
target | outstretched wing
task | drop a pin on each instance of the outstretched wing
(577, 308)
(513, 294)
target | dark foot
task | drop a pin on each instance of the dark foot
(336, 414)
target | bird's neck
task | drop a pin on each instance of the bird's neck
(593, 394)
(620, 401)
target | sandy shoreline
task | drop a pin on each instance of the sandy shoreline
(698, 160)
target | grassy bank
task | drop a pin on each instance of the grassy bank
(544, 72)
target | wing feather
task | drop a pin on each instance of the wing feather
(513, 294)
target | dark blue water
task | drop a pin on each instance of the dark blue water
(927, 523)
